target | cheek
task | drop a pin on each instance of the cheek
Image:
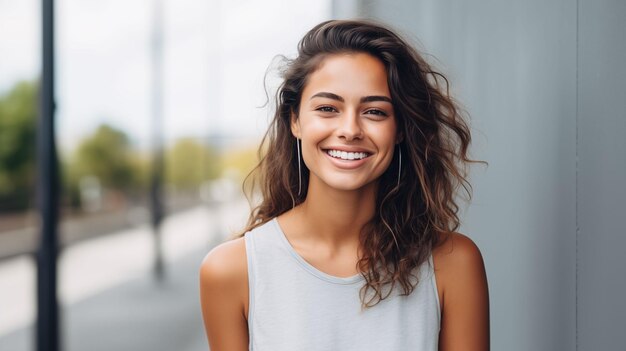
(314, 131)
(315, 125)
(384, 136)
(385, 139)
(311, 136)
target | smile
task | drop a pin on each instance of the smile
(344, 155)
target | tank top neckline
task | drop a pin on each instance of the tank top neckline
(309, 267)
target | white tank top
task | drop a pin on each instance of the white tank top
(296, 307)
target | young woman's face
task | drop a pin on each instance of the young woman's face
(346, 122)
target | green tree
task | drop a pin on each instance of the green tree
(241, 160)
(18, 115)
(107, 154)
(188, 163)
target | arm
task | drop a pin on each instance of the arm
(224, 295)
(465, 301)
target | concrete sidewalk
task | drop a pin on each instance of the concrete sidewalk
(141, 314)
(110, 299)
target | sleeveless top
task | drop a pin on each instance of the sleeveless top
(295, 306)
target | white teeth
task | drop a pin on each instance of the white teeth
(344, 155)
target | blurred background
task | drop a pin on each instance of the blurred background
(172, 93)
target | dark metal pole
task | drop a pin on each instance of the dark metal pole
(156, 184)
(47, 195)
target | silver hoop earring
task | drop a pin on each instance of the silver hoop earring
(399, 164)
(299, 167)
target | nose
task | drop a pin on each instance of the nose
(350, 127)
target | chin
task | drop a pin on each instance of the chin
(345, 187)
(348, 184)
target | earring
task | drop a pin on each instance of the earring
(299, 169)
(399, 164)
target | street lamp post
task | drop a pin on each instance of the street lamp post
(47, 329)
(156, 184)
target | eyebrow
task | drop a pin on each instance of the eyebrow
(370, 98)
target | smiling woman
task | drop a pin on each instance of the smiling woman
(353, 246)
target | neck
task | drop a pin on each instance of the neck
(336, 217)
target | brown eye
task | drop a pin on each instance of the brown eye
(326, 109)
(376, 112)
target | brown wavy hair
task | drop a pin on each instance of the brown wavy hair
(409, 216)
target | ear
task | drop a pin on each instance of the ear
(295, 125)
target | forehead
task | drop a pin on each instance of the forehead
(350, 75)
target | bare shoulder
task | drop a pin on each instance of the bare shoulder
(457, 253)
(225, 263)
(225, 267)
(464, 296)
(224, 295)
(458, 264)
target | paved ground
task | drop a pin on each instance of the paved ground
(110, 299)
(141, 314)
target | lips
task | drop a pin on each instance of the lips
(346, 155)
(347, 158)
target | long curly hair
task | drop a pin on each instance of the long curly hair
(409, 215)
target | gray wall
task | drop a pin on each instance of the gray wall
(544, 84)
(601, 284)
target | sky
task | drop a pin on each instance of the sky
(216, 54)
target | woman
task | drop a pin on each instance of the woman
(353, 245)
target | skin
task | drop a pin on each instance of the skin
(344, 106)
